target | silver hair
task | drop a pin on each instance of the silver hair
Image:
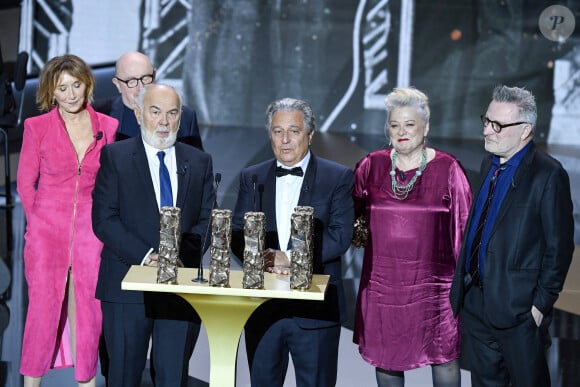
(290, 105)
(522, 98)
(143, 91)
(407, 96)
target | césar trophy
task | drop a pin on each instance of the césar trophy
(169, 240)
(219, 251)
(302, 230)
(254, 236)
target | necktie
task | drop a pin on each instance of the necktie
(476, 244)
(296, 171)
(164, 182)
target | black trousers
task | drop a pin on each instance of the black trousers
(127, 332)
(498, 357)
(314, 354)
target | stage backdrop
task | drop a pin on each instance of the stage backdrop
(232, 57)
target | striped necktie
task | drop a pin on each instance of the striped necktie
(476, 244)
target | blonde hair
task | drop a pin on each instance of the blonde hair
(408, 96)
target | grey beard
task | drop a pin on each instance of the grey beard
(158, 142)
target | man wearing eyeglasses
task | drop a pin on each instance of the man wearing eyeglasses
(133, 71)
(516, 249)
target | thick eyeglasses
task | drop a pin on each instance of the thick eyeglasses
(133, 82)
(496, 126)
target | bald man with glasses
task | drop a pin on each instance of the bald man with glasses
(134, 70)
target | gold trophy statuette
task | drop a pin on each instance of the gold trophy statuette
(169, 239)
(302, 230)
(219, 251)
(254, 234)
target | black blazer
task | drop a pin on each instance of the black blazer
(188, 130)
(126, 215)
(327, 186)
(531, 243)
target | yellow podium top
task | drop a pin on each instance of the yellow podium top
(144, 278)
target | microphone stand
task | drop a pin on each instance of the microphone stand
(200, 278)
(254, 181)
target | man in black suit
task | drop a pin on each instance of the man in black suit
(308, 330)
(516, 250)
(127, 198)
(134, 70)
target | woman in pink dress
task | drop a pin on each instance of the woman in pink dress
(56, 175)
(416, 200)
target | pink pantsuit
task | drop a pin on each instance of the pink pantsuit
(55, 191)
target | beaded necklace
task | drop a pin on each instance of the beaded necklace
(402, 191)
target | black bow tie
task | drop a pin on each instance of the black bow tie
(296, 171)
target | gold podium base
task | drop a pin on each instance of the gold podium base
(224, 318)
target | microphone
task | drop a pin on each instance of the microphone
(254, 181)
(1, 61)
(181, 171)
(98, 136)
(20, 72)
(401, 175)
(199, 278)
(261, 193)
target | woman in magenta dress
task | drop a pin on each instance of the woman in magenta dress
(416, 200)
(58, 165)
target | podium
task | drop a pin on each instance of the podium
(223, 310)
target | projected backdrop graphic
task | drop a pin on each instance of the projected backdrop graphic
(231, 57)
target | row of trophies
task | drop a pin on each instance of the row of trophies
(302, 227)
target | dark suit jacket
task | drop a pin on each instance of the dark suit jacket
(531, 243)
(126, 215)
(327, 186)
(188, 130)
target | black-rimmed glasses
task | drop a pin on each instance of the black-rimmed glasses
(133, 82)
(496, 126)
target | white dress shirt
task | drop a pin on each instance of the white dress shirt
(288, 190)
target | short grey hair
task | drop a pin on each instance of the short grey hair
(290, 105)
(522, 98)
(143, 91)
(408, 96)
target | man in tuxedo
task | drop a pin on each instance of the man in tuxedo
(133, 182)
(134, 70)
(516, 250)
(308, 330)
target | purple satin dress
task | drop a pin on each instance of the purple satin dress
(403, 317)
